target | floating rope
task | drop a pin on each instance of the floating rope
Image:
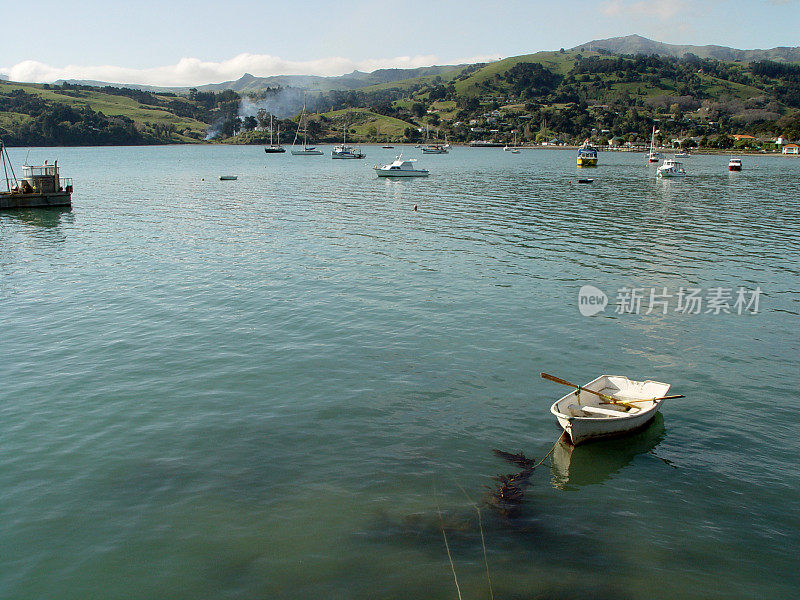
(483, 541)
(446, 545)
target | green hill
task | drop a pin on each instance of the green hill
(636, 44)
(587, 92)
(68, 114)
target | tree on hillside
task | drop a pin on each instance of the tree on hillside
(262, 116)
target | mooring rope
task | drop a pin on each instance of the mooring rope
(483, 541)
(446, 545)
(558, 439)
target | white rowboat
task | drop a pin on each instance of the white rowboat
(586, 416)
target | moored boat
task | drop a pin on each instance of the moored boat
(434, 149)
(344, 151)
(617, 407)
(653, 156)
(671, 168)
(274, 148)
(587, 155)
(401, 168)
(40, 185)
(306, 150)
(735, 164)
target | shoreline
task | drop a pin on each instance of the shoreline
(694, 152)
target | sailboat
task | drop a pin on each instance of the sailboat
(388, 145)
(513, 149)
(345, 151)
(654, 156)
(435, 148)
(273, 148)
(307, 150)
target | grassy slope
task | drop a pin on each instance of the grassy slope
(362, 120)
(561, 63)
(110, 105)
(557, 62)
(406, 84)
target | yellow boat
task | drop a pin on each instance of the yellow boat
(587, 155)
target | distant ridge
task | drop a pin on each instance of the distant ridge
(636, 44)
(350, 81)
(251, 83)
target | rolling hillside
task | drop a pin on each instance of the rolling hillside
(573, 94)
(636, 44)
(57, 115)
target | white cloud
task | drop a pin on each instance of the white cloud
(193, 71)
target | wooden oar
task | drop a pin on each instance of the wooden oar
(609, 399)
(649, 399)
(583, 389)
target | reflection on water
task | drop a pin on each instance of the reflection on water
(590, 464)
(247, 391)
(39, 217)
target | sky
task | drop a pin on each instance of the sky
(174, 43)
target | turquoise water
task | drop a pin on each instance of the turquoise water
(273, 387)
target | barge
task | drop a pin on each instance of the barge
(40, 185)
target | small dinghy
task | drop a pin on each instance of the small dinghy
(609, 406)
(585, 180)
(228, 177)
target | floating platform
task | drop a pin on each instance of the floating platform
(39, 187)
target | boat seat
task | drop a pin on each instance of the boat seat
(596, 411)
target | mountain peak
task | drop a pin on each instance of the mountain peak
(636, 44)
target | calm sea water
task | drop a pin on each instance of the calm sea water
(288, 385)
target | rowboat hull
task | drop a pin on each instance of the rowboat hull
(586, 417)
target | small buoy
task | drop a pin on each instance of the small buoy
(415, 207)
(203, 179)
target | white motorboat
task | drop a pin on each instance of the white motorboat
(671, 168)
(623, 406)
(401, 168)
(735, 164)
